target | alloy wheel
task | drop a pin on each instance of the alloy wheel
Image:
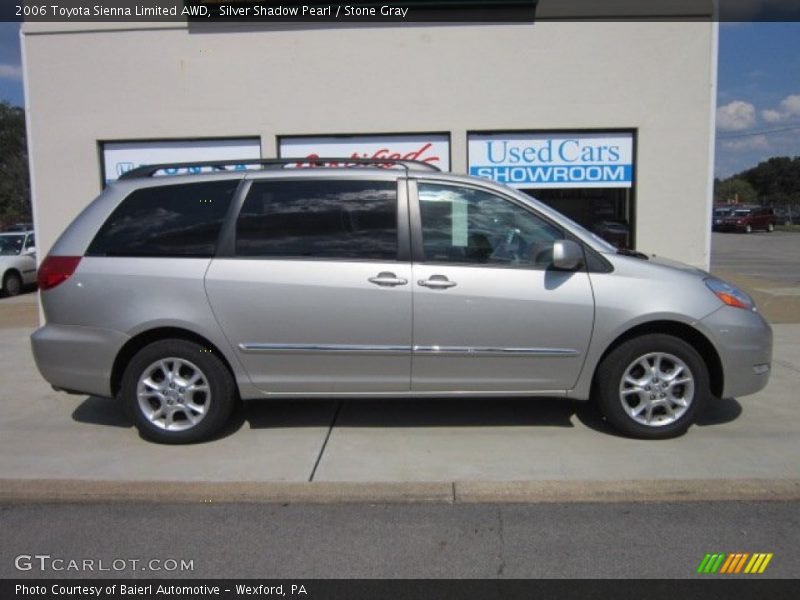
(656, 389)
(173, 394)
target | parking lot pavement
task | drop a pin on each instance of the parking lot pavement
(766, 265)
(46, 435)
(774, 256)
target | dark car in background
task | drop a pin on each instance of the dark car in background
(787, 216)
(719, 215)
(614, 232)
(749, 218)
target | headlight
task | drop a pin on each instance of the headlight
(730, 294)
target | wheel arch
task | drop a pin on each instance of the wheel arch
(144, 338)
(682, 331)
(10, 271)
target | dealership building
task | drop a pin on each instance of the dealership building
(609, 121)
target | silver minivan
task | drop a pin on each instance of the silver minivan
(183, 295)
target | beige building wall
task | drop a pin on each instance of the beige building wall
(87, 82)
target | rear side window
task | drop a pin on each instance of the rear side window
(170, 220)
(326, 219)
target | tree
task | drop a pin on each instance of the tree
(15, 193)
(777, 180)
(734, 188)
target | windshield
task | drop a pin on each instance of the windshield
(11, 245)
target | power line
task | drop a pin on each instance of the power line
(762, 132)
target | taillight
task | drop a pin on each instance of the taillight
(55, 270)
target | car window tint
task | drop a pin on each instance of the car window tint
(31, 241)
(169, 220)
(325, 219)
(465, 225)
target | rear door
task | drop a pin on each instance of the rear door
(315, 296)
(490, 312)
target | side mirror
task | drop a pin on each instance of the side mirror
(567, 255)
(30, 251)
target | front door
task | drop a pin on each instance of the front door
(490, 312)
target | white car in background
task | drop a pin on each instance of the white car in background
(17, 261)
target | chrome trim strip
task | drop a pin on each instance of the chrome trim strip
(461, 350)
(337, 348)
(435, 350)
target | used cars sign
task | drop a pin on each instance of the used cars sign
(560, 160)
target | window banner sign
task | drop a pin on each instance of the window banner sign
(553, 160)
(120, 157)
(433, 149)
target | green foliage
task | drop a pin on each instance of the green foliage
(734, 188)
(15, 194)
(775, 181)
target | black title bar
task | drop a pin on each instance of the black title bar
(741, 588)
(398, 12)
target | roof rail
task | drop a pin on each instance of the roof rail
(282, 163)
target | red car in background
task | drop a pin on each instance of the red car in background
(749, 218)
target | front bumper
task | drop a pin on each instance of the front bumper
(743, 339)
(75, 358)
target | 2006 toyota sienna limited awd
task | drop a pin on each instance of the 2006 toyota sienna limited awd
(182, 295)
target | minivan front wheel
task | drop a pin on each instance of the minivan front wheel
(653, 386)
(177, 392)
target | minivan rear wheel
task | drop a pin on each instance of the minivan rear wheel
(177, 392)
(652, 386)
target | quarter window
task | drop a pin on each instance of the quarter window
(327, 219)
(465, 225)
(169, 220)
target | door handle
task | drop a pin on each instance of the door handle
(387, 279)
(437, 282)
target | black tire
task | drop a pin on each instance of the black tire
(217, 403)
(12, 284)
(609, 383)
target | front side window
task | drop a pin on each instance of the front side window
(30, 242)
(465, 225)
(169, 220)
(325, 219)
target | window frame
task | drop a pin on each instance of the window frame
(417, 241)
(226, 248)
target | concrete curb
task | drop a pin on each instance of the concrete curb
(661, 490)
(15, 491)
(56, 490)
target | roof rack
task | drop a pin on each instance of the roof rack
(282, 163)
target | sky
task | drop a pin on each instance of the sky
(758, 96)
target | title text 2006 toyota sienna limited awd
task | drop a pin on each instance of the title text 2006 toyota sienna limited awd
(181, 295)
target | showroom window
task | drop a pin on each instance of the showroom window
(586, 175)
(325, 219)
(170, 220)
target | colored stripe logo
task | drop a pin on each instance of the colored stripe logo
(734, 563)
